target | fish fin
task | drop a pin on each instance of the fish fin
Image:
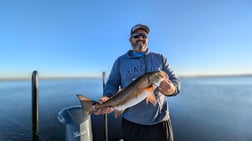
(88, 105)
(118, 92)
(151, 97)
(118, 113)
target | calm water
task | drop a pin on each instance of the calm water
(208, 109)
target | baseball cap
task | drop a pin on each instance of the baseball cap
(140, 26)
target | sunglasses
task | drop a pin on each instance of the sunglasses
(137, 35)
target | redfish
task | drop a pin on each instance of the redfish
(141, 88)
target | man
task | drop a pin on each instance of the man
(142, 121)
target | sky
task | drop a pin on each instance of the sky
(66, 38)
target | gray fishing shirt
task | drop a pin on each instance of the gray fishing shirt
(129, 67)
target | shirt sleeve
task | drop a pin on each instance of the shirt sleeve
(114, 80)
(167, 68)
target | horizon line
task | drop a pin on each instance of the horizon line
(96, 77)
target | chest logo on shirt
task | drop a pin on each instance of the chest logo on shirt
(134, 70)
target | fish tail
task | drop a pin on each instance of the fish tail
(88, 105)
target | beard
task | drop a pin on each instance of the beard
(139, 46)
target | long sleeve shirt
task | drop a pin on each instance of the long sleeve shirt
(125, 70)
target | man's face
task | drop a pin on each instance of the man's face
(139, 40)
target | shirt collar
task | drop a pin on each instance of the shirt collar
(133, 54)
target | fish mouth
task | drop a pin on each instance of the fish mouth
(157, 78)
(157, 84)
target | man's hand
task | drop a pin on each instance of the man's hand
(104, 110)
(166, 87)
